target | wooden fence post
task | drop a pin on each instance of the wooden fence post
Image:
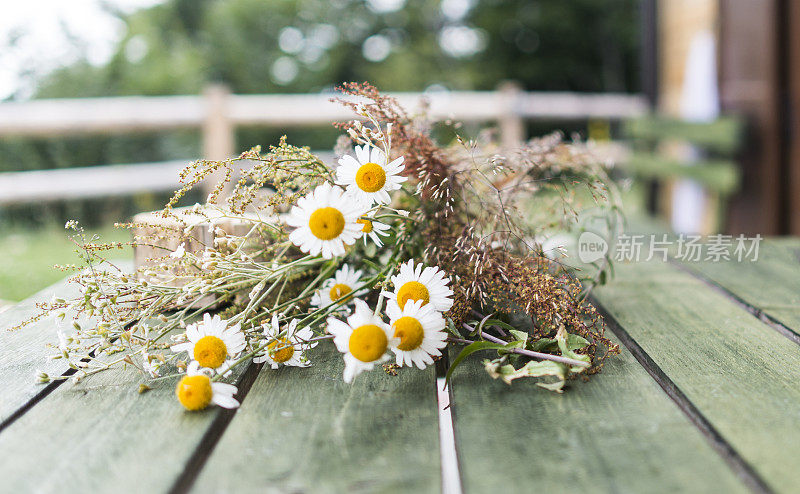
(219, 132)
(512, 126)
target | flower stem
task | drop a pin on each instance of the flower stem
(528, 353)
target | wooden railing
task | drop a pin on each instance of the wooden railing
(217, 113)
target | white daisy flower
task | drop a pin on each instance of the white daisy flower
(363, 339)
(428, 284)
(212, 342)
(288, 349)
(341, 286)
(421, 332)
(196, 391)
(325, 221)
(368, 176)
(374, 230)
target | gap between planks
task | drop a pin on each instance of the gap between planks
(451, 472)
(759, 314)
(451, 475)
(209, 441)
(740, 467)
(49, 388)
(42, 394)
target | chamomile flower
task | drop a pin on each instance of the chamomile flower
(325, 221)
(288, 349)
(428, 285)
(196, 391)
(212, 342)
(364, 340)
(368, 176)
(374, 230)
(421, 332)
(342, 286)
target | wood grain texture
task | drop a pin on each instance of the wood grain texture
(617, 433)
(304, 430)
(771, 284)
(738, 373)
(101, 435)
(24, 350)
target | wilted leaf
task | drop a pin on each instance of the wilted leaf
(532, 369)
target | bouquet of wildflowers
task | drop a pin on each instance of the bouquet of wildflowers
(399, 250)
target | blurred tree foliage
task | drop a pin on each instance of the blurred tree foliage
(273, 46)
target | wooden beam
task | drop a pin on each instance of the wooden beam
(792, 167)
(95, 181)
(748, 73)
(54, 117)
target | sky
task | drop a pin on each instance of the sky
(35, 37)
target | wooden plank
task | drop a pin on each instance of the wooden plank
(91, 181)
(735, 371)
(617, 433)
(49, 117)
(101, 435)
(771, 284)
(304, 430)
(97, 181)
(25, 350)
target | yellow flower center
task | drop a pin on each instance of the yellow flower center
(410, 332)
(210, 352)
(370, 177)
(368, 343)
(326, 223)
(339, 290)
(283, 353)
(412, 290)
(194, 392)
(367, 225)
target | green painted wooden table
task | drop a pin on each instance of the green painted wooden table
(704, 397)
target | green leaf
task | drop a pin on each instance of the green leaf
(576, 342)
(469, 350)
(544, 345)
(519, 335)
(561, 337)
(453, 329)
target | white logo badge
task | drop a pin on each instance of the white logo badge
(591, 247)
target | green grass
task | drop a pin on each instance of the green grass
(28, 256)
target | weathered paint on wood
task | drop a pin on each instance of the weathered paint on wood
(617, 433)
(738, 373)
(101, 435)
(25, 350)
(304, 430)
(770, 284)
